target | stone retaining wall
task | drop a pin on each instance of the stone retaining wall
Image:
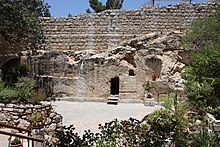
(17, 115)
(100, 31)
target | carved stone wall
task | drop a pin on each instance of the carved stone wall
(89, 74)
(103, 30)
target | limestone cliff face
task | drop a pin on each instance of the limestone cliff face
(95, 74)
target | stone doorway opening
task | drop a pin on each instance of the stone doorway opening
(10, 71)
(115, 86)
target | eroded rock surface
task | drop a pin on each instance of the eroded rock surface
(122, 70)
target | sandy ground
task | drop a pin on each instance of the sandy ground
(87, 115)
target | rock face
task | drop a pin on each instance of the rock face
(122, 70)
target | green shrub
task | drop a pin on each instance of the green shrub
(25, 89)
(7, 95)
(21, 93)
(204, 32)
(205, 138)
(202, 79)
(12, 74)
(110, 134)
(67, 137)
(203, 75)
(2, 84)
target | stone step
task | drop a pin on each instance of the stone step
(149, 102)
(112, 100)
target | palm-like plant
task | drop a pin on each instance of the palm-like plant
(205, 138)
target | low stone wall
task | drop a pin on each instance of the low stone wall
(17, 115)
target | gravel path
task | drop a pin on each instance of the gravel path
(87, 115)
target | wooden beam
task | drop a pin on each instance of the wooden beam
(21, 136)
(13, 127)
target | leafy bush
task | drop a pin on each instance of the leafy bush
(204, 32)
(7, 95)
(110, 134)
(97, 6)
(203, 79)
(25, 89)
(2, 84)
(203, 75)
(11, 75)
(67, 137)
(164, 125)
(205, 138)
(22, 92)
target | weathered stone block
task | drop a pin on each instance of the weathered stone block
(149, 102)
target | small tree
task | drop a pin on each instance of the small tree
(114, 4)
(96, 5)
(110, 4)
(204, 32)
(20, 23)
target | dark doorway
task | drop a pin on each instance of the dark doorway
(115, 86)
(10, 71)
(131, 72)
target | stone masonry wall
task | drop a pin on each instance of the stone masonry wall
(103, 30)
(18, 114)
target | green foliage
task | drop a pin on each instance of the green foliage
(203, 75)
(202, 79)
(22, 92)
(39, 95)
(96, 5)
(109, 134)
(110, 4)
(204, 32)
(36, 117)
(147, 86)
(167, 101)
(165, 124)
(2, 84)
(16, 141)
(11, 75)
(7, 95)
(25, 89)
(114, 4)
(20, 23)
(67, 137)
(158, 121)
(205, 138)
